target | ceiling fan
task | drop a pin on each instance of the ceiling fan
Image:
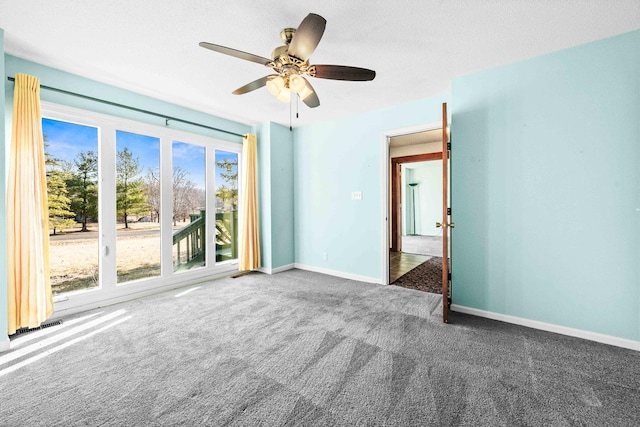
(291, 63)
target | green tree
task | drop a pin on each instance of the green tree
(83, 186)
(130, 192)
(60, 215)
(228, 192)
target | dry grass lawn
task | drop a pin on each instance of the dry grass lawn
(73, 256)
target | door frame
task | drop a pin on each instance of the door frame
(385, 188)
(396, 220)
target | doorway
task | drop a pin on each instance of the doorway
(415, 205)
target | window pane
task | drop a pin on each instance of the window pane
(226, 206)
(137, 206)
(189, 197)
(71, 157)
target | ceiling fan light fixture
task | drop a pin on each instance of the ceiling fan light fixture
(284, 96)
(275, 85)
(296, 83)
(278, 88)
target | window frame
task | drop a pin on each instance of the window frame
(109, 290)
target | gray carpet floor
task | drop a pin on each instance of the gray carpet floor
(422, 245)
(301, 348)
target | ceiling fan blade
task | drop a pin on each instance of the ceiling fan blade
(308, 95)
(307, 36)
(342, 72)
(236, 53)
(256, 84)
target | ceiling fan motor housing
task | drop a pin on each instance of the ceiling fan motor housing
(286, 35)
(287, 65)
(279, 51)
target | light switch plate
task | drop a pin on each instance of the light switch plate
(356, 195)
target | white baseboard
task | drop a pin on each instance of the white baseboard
(336, 273)
(549, 327)
(5, 345)
(277, 269)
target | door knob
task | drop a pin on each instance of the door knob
(451, 225)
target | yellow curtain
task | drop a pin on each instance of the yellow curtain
(249, 229)
(30, 300)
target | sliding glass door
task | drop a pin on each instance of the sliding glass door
(71, 158)
(137, 234)
(189, 206)
(134, 206)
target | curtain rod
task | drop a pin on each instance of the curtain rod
(139, 110)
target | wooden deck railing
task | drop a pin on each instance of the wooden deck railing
(190, 241)
(226, 236)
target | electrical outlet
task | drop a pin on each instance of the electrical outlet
(356, 195)
(325, 256)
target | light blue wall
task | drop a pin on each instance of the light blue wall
(333, 159)
(546, 188)
(3, 210)
(275, 181)
(281, 196)
(263, 141)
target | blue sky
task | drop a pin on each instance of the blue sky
(65, 140)
(190, 158)
(145, 148)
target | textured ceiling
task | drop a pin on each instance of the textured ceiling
(416, 47)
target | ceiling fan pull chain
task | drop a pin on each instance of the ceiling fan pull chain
(290, 126)
(297, 106)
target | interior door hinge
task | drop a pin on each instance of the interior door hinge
(448, 211)
(449, 276)
(449, 146)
